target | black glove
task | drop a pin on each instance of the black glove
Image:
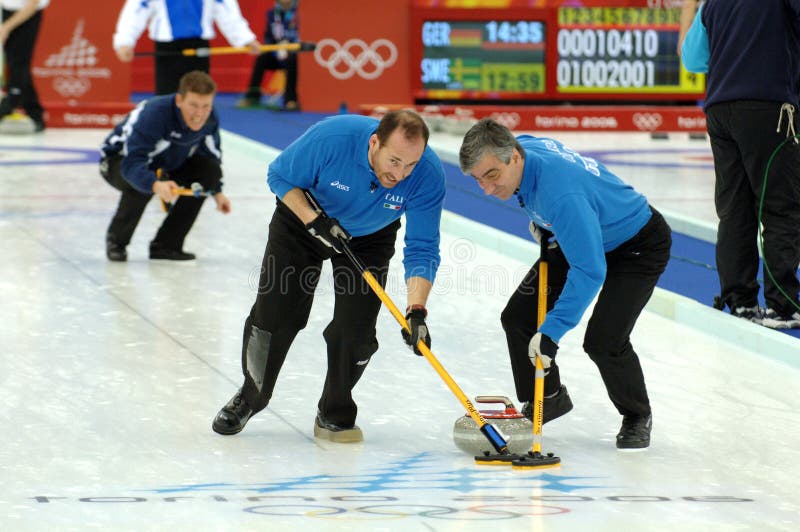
(415, 317)
(544, 346)
(329, 232)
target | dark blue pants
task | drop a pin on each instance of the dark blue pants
(744, 137)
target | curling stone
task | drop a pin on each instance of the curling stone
(515, 428)
(17, 124)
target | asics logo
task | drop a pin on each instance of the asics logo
(340, 186)
(355, 57)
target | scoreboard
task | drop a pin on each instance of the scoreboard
(622, 50)
(559, 53)
(482, 57)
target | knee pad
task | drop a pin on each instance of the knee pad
(256, 354)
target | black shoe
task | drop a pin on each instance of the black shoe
(336, 433)
(635, 432)
(158, 252)
(233, 416)
(248, 102)
(553, 407)
(38, 126)
(115, 252)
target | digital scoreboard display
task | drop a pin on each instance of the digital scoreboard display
(558, 53)
(482, 58)
(622, 50)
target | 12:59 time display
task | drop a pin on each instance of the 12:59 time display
(512, 77)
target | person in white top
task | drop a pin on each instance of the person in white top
(176, 26)
(18, 33)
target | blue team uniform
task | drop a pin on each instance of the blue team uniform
(612, 245)
(347, 189)
(588, 209)
(331, 161)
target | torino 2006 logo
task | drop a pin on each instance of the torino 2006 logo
(355, 57)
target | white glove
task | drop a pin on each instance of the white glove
(538, 234)
(545, 347)
(282, 54)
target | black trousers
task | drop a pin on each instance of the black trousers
(268, 61)
(18, 49)
(632, 272)
(290, 272)
(743, 138)
(182, 213)
(170, 68)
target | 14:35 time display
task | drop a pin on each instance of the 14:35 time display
(514, 32)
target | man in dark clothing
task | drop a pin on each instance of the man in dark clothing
(751, 51)
(18, 33)
(282, 27)
(165, 143)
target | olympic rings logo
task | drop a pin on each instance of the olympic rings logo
(71, 87)
(647, 121)
(342, 61)
(510, 120)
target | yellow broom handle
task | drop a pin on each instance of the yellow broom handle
(426, 352)
(227, 50)
(538, 387)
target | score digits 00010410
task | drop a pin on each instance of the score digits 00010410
(622, 50)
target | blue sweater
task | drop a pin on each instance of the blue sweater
(588, 209)
(154, 135)
(753, 50)
(330, 160)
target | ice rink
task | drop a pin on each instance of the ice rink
(111, 374)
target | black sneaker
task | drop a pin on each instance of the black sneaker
(158, 252)
(248, 103)
(776, 320)
(336, 433)
(754, 313)
(233, 416)
(635, 432)
(553, 407)
(115, 252)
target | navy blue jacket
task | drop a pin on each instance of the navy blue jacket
(282, 25)
(754, 50)
(154, 135)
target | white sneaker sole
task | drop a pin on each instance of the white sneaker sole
(353, 435)
(780, 324)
